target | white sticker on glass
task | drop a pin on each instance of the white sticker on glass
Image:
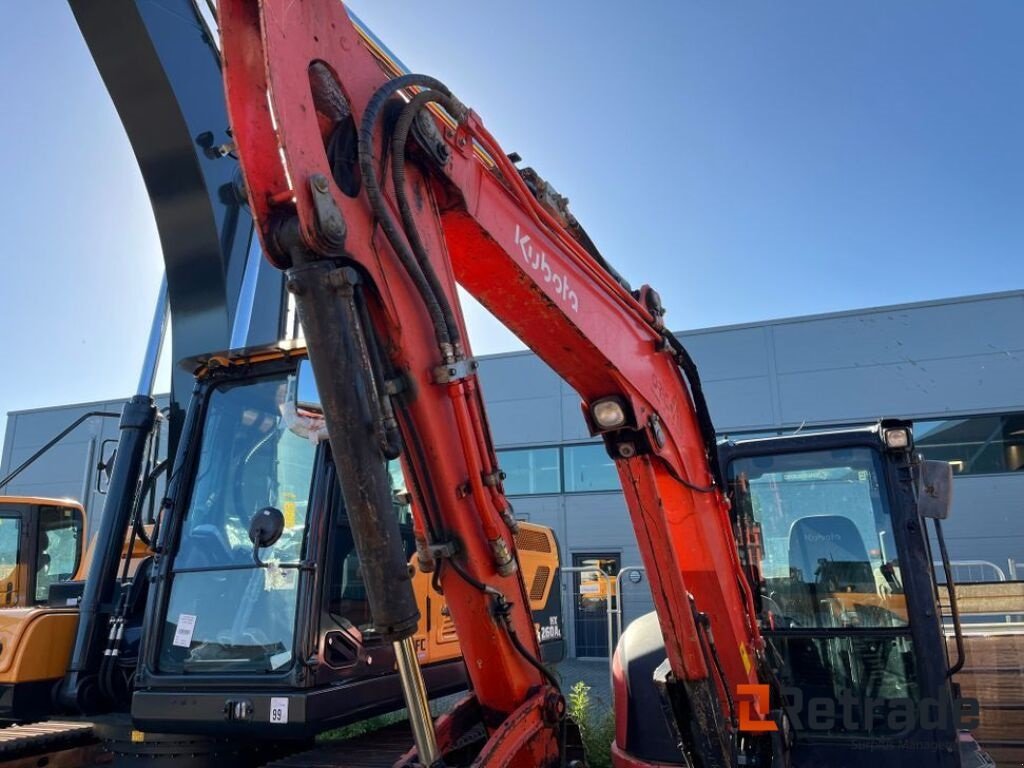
(278, 660)
(183, 634)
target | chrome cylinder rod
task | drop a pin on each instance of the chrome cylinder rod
(147, 379)
(415, 693)
(246, 306)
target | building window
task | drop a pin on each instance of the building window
(531, 471)
(589, 468)
(976, 445)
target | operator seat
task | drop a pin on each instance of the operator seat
(827, 557)
(828, 551)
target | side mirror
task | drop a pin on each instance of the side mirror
(307, 398)
(302, 411)
(105, 467)
(935, 490)
(265, 529)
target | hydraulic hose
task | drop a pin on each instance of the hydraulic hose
(489, 516)
(433, 302)
(145, 492)
(484, 441)
(398, 143)
(700, 405)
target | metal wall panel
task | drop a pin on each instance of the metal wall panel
(574, 426)
(959, 386)
(901, 334)
(740, 403)
(530, 421)
(517, 376)
(987, 520)
(730, 353)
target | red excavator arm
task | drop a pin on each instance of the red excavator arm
(379, 193)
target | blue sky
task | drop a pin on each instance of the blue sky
(749, 159)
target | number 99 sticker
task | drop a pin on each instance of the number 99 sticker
(278, 711)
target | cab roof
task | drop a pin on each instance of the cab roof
(200, 365)
(44, 501)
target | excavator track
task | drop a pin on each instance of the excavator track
(54, 743)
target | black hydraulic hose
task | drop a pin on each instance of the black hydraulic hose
(387, 424)
(710, 652)
(144, 493)
(509, 629)
(954, 608)
(531, 659)
(432, 301)
(426, 496)
(398, 142)
(54, 440)
(700, 404)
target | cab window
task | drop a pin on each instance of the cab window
(347, 601)
(59, 548)
(10, 547)
(818, 541)
(224, 611)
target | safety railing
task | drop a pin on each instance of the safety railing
(971, 570)
(615, 606)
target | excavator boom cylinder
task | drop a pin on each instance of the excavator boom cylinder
(325, 298)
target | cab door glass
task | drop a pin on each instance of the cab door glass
(59, 544)
(820, 537)
(10, 548)
(817, 538)
(225, 612)
(346, 600)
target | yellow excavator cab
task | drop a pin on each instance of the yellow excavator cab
(598, 584)
(436, 639)
(41, 544)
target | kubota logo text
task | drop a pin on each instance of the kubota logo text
(537, 260)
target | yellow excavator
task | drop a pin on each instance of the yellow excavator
(42, 568)
(40, 546)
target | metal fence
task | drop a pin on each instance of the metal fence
(965, 571)
(604, 611)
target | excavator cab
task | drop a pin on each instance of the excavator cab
(259, 609)
(598, 584)
(41, 546)
(833, 533)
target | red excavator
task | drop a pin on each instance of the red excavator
(378, 192)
